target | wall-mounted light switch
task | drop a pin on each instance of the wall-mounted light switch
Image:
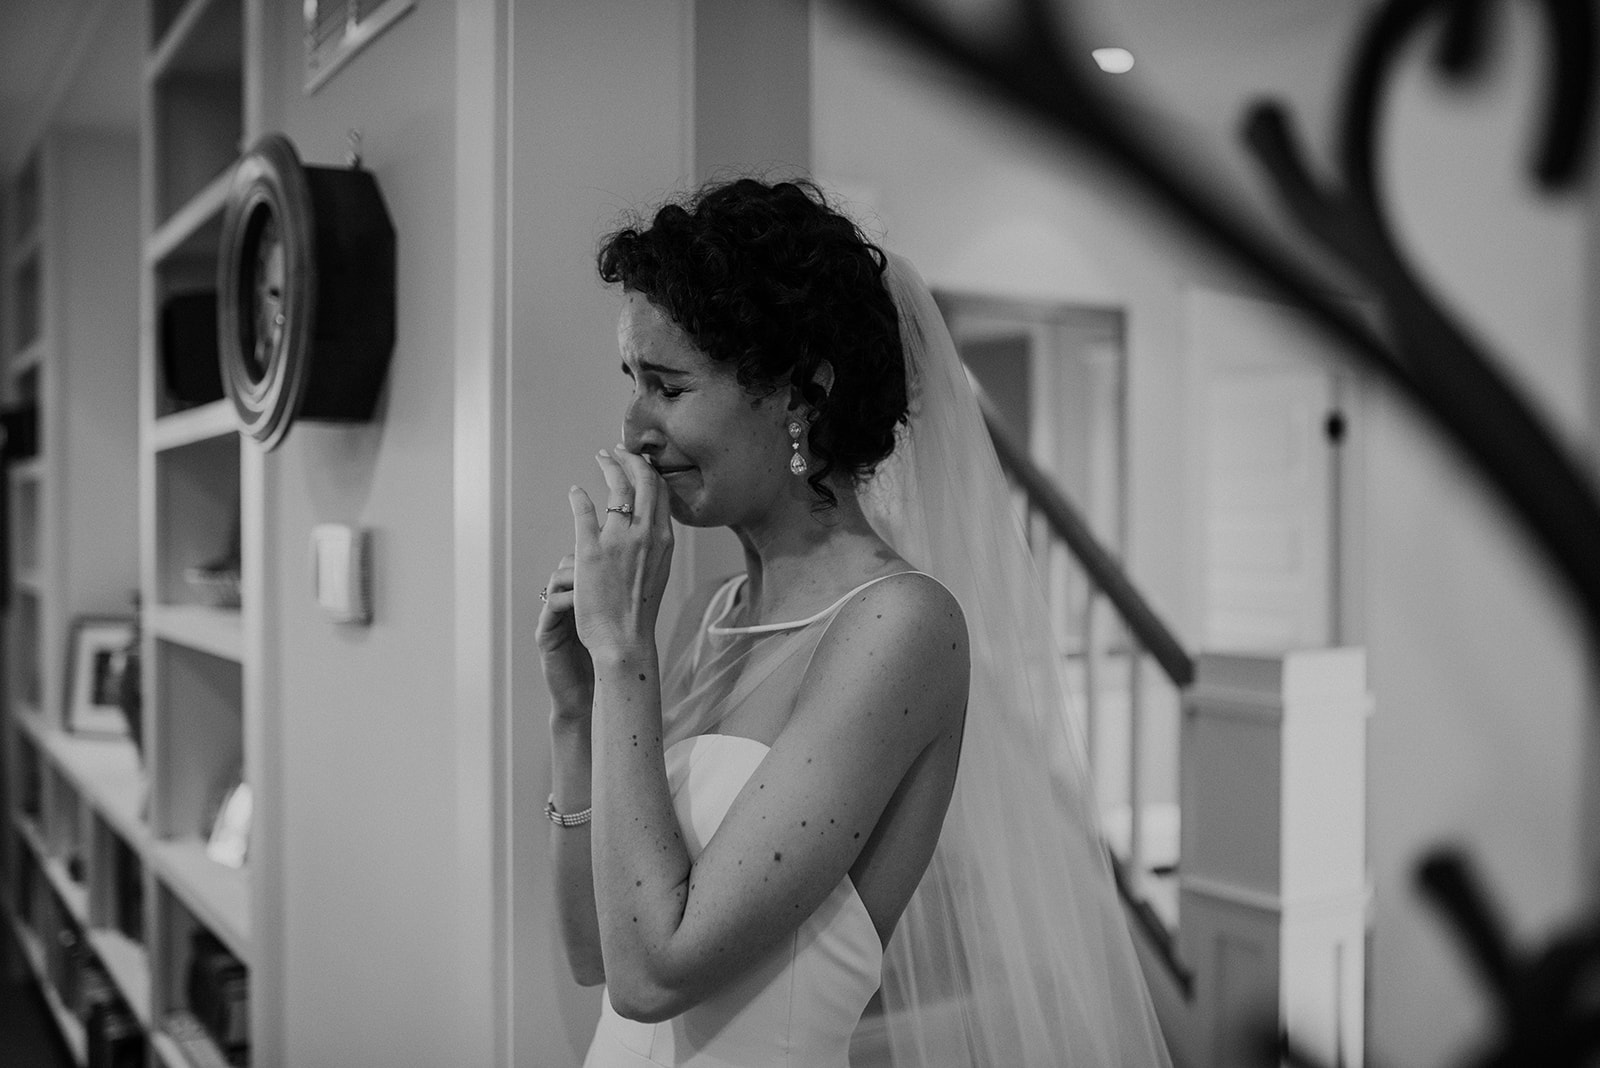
(341, 570)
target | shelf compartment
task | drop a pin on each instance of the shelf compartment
(23, 250)
(193, 228)
(25, 530)
(218, 631)
(116, 924)
(199, 969)
(30, 470)
(217, 896)
(128, 965)
(199, 759)
(24, 642)
(194, 425)
(26, 201)
(183, 256)
(116, 890)
(27, 312)
(193, 1048)
(197, 98)
(71, 977)
(107, 773)
(182, 33)
(72, 1030)
(61, 847)
(25, 381)
(25, 362)
(25, 881)
(27, 770)
(74, 896)
(197, 505)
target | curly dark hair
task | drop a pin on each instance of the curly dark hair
(773, 280)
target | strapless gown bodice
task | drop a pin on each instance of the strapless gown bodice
(798, 1006)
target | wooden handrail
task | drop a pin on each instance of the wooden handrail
(1097, 561)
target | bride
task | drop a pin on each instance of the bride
(817, 788)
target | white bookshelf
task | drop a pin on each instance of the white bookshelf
(69, 282)
(136, 489)
(197, 488)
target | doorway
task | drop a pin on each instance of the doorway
(1279, 480)
(1056, 374)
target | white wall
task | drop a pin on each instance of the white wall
(367, 728)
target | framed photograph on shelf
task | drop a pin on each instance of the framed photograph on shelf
(97, 656)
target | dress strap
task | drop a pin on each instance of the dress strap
(768, 628)
(716, 608)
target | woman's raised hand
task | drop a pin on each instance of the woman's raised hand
(624, 554)
(568, 671)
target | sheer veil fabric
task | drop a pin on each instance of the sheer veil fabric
(1015, 949)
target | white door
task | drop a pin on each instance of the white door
(1271, 428)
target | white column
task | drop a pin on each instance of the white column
(1273, 885)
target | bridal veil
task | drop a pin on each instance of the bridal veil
(1015, 950)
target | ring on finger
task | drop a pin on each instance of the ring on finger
(544, 595)
(621, 509)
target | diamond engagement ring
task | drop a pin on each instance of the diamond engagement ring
(621, 509)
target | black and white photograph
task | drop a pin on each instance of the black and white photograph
(778, 533)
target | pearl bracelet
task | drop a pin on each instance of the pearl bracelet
(574, 819)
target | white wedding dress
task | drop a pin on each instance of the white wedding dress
(799, 1006)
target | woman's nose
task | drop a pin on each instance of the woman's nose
(639, 432)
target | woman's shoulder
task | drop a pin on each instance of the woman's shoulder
(907, 613)
(908, 590)
(901, 639)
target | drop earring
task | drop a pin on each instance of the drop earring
(797, 463)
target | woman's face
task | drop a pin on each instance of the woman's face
(723, 453)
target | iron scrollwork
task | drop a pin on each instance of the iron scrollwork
(1030, 61)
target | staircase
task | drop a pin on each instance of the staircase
(1232, 797)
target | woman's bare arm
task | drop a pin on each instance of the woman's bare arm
(571, 762)
(888, 679)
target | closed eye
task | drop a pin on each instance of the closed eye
(653, 379)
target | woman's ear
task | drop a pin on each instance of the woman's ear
(824, 377)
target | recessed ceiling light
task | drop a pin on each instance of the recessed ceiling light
(1113, 60)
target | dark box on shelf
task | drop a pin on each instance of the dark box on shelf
(19, 431)
(128, 890)
(219, 995)
(189, 362)
(114, 1038)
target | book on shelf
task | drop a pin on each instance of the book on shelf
(219, 995)
(187, 1033)
(128, 891)
(115, 1039)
